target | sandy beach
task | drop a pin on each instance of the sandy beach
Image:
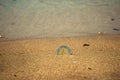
(31, 31)
(37, 59)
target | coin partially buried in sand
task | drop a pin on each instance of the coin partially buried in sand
(64, 50)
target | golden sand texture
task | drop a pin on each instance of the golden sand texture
(37, 59)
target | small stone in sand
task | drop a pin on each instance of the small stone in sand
(85, 77)
(15, 75)
(101, 33)
(86, 44)
(89, 68)
(116, 29)
(112, 19)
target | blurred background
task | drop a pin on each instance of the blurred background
(58, 18)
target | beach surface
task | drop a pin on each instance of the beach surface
(37, 59)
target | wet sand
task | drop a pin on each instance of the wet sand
(37, 59)
(50, 18)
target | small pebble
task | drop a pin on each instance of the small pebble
(86, 44)
(15, 75)
(85, 77)
(101, 33)
(89, 68)
(116, 29)
(112, 19)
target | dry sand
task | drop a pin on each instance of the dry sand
(36, 59)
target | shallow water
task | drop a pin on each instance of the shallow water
(51, 18)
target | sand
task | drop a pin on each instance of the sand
(37, 59)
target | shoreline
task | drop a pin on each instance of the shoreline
(33, 38)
